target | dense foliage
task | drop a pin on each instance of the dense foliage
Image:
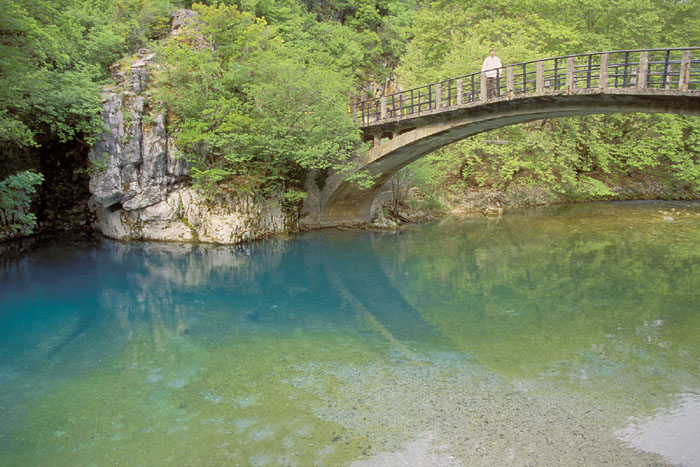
(259, 89)
(53, 56)
(250, 109)
(571, 158)
(15, 216)
(275, 105)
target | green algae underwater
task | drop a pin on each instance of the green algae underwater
(334, 347)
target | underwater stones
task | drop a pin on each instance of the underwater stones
(176, 383)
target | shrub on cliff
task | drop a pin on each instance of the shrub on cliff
(248, 109)
(15, 192)
(53, 57)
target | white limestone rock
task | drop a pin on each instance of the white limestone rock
(186, 216)
(140, 188)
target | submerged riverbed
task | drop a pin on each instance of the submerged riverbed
(550, 336)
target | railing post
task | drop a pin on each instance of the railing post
(438, 95)
(643, 70)
(539, 77)
(510, 81)
(666, 82)
(685, 71)
(382, 108)
(603, 80)
(570, 85)
(460, 91)
(484, 94)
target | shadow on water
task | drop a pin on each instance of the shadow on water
(354, 269)
(84, 323)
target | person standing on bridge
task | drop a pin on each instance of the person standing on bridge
(492, 69)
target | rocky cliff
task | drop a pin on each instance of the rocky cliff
(140, 186)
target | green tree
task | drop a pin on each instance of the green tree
(251, 110)
(15, 198)
(362, 37)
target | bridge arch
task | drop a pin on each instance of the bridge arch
(408, 125)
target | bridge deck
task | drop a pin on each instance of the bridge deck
(659, 70)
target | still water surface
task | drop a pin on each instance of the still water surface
(565, 333)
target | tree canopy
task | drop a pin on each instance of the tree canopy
(276, 80)
(250, 108)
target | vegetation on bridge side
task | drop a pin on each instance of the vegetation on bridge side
(258, 90)
(579, 158)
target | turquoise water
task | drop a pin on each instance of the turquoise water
(580, 321)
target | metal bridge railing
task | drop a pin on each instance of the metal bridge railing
(671, 69)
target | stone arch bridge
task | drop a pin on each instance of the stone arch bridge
(404, 126)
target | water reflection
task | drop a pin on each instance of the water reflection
(61, 301)
(353, 268)
(595, 297)
(610, 286)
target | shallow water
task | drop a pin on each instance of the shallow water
(566, 331)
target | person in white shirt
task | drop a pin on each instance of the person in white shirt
(491, 68)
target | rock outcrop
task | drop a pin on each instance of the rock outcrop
(141, 188)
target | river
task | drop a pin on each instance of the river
(549, 336)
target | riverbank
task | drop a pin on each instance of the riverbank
(455, 200)
(66, 214)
